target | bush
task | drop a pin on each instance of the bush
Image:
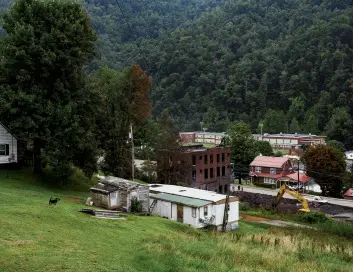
(244, 206)
(136, 205)
(314, 217)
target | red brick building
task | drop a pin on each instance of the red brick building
(266, 170)
(195, 166)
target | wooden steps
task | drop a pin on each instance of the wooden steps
(107, 214)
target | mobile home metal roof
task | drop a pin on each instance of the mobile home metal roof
(186, 201)
(187, 192)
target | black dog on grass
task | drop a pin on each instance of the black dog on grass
(53, 201)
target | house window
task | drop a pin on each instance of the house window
(258, 169)
(272, 170)
(193, 212)
(211, 172)
(218, 171)
(206, 173)
(223, 171)
(4, 149)
(223, 157)
(205, 159)
(269, 181)
(217, 157)
(211, 158)
(205, 211)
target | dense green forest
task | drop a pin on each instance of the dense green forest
(287, 64)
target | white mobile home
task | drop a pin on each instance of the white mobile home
(8, 146)
(193, 206)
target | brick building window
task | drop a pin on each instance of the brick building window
(211, 158)
(193, 174)
(223, 155)
(205, 159)
(223, 171)
(193, 160)
(200, 158)
(211, 172)
(217, 157)
(206, 173)
(218, 171)
(225, 188)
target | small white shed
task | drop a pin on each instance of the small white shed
(195, 207)
(8, 146)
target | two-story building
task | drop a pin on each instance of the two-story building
(286, 141)
(202, 137)
(195, 166)
(266, 170)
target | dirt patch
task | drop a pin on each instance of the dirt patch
(19, 243)
(74, 199)
(286, 205)
(250, 218)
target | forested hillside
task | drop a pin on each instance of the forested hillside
(286, 63)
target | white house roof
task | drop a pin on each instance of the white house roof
(187, 192)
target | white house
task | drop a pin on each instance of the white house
(193, 206)
(8, 146)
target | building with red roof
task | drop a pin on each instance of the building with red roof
(349, 194)
(294, 177)
(267, 170)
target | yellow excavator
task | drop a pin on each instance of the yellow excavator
(286, 189)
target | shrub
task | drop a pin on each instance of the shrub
(314, 217)
(244, 206)
(136, 205)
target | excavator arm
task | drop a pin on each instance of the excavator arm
(286, 189)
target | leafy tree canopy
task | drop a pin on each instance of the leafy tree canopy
(326, 165)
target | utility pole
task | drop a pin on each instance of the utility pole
(132, 153)
(298, 177)
(261, 125)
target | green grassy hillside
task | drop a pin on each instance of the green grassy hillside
(35, 237)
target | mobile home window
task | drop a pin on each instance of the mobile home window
(4, 149)
(205, 211)
(193, 212)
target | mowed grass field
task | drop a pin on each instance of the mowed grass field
(36, 237)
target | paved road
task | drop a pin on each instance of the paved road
(273, 192)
